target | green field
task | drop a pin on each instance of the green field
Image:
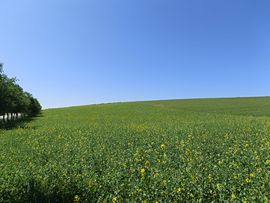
(198, 150)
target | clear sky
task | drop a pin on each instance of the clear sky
(72, 52)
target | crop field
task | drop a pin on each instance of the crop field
(199, 150)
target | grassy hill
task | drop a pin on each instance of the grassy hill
(155, 151)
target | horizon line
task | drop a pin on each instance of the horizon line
(152, 100)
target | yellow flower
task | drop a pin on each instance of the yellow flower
(220, 161)
(114, 199)
(267, 161)
(164, 182)
(162, 146)
(219, 186)
(210, 177)
(259, 170)
(76, 198)
(252, 175)
(179, 189)
(142, 172)
(248, 180)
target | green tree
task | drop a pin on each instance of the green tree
(14, 100)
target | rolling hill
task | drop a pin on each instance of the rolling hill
(196, 150)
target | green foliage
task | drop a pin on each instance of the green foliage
(14, 100)
(34, 107)
(161, 151)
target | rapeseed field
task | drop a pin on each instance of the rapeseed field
(201, 150)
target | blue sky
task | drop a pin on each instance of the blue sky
(93, 51)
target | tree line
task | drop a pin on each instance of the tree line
(14, 101)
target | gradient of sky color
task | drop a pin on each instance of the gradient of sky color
(92, 51)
